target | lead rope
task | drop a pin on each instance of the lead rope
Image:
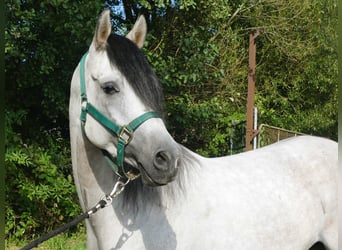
(104, 202)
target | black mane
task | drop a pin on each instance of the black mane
(131, 62)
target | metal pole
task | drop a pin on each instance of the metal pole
(231, 137)
(250, 132)
(255, 127)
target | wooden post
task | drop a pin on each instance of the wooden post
(250, 132)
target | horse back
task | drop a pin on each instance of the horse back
(308, 161)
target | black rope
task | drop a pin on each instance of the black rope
(100, 204)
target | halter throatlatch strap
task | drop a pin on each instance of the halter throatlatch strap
(124, 133)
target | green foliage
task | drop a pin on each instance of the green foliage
(44, 41)
(201, 56)
(40, 193)
(183, 51)
(297, 65)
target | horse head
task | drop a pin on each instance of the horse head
(121, 86)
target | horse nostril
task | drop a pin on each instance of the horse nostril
(162, 160)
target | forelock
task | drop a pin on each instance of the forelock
(129, 59)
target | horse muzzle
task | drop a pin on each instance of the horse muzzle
(164, 168)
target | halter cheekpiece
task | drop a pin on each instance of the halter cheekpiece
(124, 133)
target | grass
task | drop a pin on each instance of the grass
(76, 241)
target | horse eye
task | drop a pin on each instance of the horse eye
(110, 88)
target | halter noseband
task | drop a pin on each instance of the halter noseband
(123, 133)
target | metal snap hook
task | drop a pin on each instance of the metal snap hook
(118, 188)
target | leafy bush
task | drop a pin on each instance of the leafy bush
(40, 193)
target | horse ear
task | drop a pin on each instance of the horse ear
(138, 33)
(103, 30)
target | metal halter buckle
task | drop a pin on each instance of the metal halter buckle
(126, 135)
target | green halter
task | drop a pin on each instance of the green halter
(123, 133)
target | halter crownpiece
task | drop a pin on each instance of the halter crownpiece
(124, 133)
